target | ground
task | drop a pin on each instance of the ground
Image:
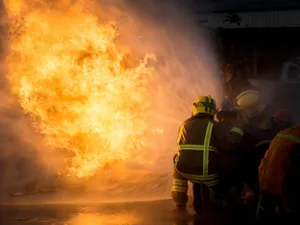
(157, 212)
(160, 212)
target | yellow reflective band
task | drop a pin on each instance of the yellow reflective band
(208, 183)
(206, 148)
(180, 185)
(180, 133)
(212, 194)
(289, 137)
(237, 130)
(210, 179)
(264, 142)
(179, 182)
(212, 149)
(195, 147)
(184, 183)
(191, 147)
(176, 160)
(179, 189)
(201, 178)
(211, 183)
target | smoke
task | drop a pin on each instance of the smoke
(21, 147)
(277, 95)
(184, 68)
(24, 158)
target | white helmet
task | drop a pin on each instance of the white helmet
(250, 102)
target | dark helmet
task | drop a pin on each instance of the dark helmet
(226, 106)
(226, 110)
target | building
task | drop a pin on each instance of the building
(263, 33)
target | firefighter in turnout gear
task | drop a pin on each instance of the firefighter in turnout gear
(199, 140)
(281, 120)
(279, 179)
(250, 103)
(231, 175)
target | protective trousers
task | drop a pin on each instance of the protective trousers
(204, 195)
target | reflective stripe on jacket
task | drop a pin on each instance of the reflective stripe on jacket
(199, 140)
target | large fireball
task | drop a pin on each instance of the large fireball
(72, 78)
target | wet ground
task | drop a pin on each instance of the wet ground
(147, 213)
(135, 213)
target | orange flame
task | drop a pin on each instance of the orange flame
(71, 77)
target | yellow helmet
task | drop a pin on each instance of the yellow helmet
(250, 102)
(204, 104)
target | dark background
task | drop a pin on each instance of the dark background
(262, 50)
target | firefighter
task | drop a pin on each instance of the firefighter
(279, 178)
(281, 120)
(236, 81)
(230, 162)
(199, 140)
(250, 103)
(268, 129)
(258, 135)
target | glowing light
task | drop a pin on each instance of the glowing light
(72, 78)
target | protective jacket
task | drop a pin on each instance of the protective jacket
(272, 170)
(249, 140)
(255, 143)
(199, 140)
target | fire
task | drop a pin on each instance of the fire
(72, 78)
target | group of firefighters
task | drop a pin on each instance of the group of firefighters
(220, 149)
